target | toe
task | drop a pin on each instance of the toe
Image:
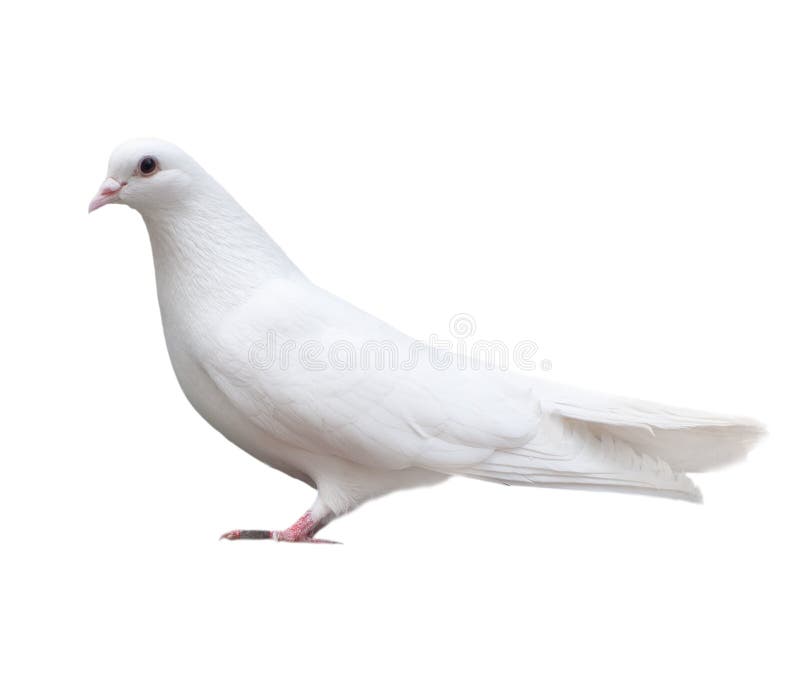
(247, 535)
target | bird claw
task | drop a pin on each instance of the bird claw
(278, 536)
(248, 535)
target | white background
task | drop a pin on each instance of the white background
(617, 181)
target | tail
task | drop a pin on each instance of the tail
(688, 440)
(589, 439)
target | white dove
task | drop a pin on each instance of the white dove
(352, 431)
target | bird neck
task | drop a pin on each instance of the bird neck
(210, 255)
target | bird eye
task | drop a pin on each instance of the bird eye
(148, 165)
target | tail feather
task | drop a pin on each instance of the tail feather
(589, 440)
(689, 440)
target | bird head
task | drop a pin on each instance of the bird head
(147, 175)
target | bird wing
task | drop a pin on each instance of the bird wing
(294, 359)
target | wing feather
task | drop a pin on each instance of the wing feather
(393, 417)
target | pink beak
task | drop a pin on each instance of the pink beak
(107, 193)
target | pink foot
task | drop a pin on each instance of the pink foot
(301, 531)
(278, 535)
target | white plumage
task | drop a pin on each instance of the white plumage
(360, 431)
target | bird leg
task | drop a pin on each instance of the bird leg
(302, 530)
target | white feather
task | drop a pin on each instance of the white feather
(224, 286)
